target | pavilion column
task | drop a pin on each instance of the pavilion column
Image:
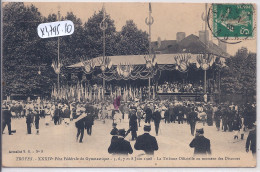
(205, 81)
(149, 87)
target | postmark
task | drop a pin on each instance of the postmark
(233, 21)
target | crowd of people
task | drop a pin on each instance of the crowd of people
(226, 117)
(177, 87)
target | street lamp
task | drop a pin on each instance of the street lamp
(103, 26)
(149, 21)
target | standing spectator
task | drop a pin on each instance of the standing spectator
(217, 117)
(120, 145)
(37, 119)
(148, 114)
(166, 116)
(225, 119)
(209, 112)
(251, 141)
(192, 119)
(29, 121)
(172, 113)
(57, 114)
(6, 119)
(89, 121)
(180, 113)
(157, 119)
(200, 144)
(231, 116)
(80, 125)
(139, 115)
(236, 126)
(146, 142)
(133, 124)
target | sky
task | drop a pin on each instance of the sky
(169, 18)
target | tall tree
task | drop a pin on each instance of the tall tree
(23, 51)
(240, 76)
(132, 40)
(93, 36)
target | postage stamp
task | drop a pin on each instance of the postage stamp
(233, 21)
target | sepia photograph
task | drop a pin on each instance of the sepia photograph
(128, 84)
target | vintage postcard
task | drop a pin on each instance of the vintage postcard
(134, 84)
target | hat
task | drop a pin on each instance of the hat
(121, 132)
(200, 131)
(147, 127)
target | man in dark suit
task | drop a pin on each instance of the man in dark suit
(89, 120)
(133, 124)
(6, 119)
(180, 113)
(172, 113)
(80, 125)
(120, 145)
(29, 121)
(192, 118)
(37, 119)
(217, 117)
(148, 114)
(146, 142)
(157, 119)
(251, 141)
(200, 144)
(57, 114)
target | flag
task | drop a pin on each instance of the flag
(130, 92)
(141, 94)
(51, 92)
(117, 103)
(78, 94)
(99, 98)
(102, 93)
(153, 93)
(86, 92)
(90, 94)
(134, 95)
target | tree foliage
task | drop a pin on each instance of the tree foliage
(240, 76)
(25, 53)
(132, 40)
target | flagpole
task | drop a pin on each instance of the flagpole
(58, 55)
(103, 27)
(149, 23)
(205, 71)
